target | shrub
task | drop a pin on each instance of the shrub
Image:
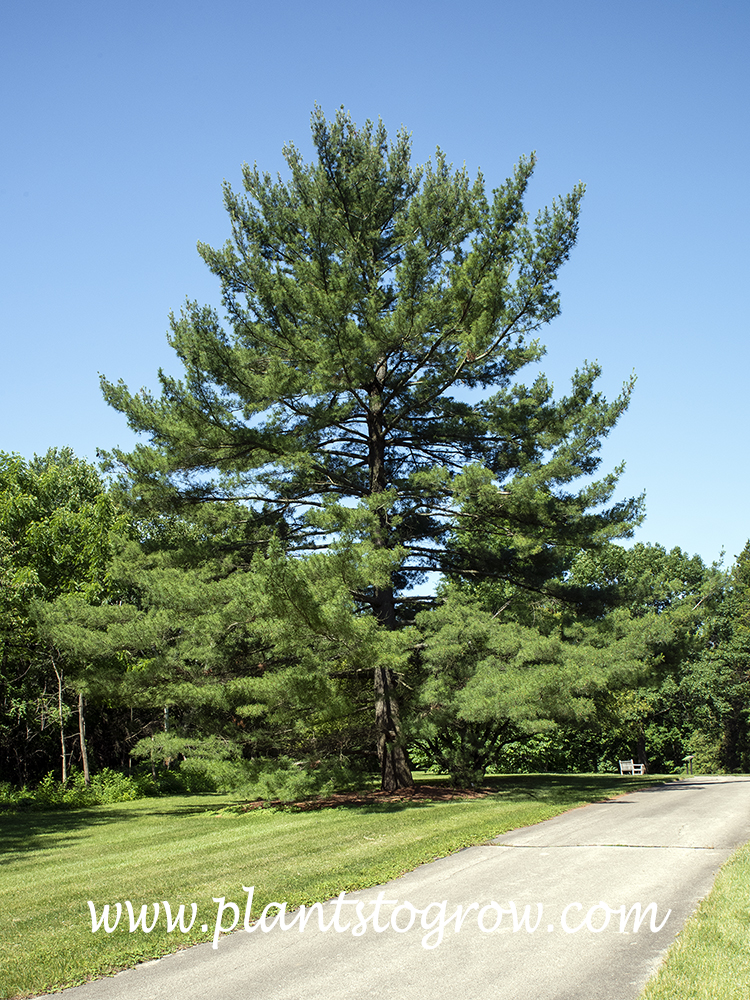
(105, 787)
(286, 780)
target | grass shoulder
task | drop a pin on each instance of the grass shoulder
(710, 958)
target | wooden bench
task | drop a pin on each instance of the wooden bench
(628, 767)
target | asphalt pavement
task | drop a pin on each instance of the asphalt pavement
(580, 907)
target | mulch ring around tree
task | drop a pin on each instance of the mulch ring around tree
(416, 794)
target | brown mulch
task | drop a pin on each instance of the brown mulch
(418, 793)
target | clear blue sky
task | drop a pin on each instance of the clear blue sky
(120, 121)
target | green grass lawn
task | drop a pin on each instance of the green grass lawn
(189, 849)
(710, 960)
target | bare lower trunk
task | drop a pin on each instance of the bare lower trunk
(394, 767)
(82, 737)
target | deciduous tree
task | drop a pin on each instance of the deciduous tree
(55, 523)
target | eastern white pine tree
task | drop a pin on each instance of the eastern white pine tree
(363, 298)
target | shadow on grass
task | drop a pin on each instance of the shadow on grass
(32, 830)
(568, 787)
(29, 830)
(430, 790)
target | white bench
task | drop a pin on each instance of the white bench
(628, 767)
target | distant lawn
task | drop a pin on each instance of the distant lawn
(710, 960)
(187, 849)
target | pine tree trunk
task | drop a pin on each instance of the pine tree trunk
(394, 767)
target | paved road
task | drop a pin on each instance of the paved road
(660, 845)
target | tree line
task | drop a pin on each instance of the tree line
(354, 538)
